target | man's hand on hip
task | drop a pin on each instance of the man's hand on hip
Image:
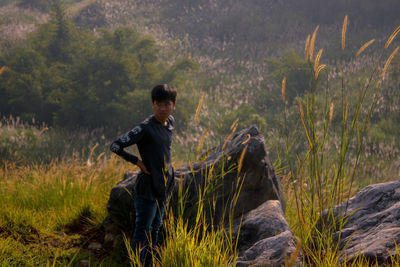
(142, 167)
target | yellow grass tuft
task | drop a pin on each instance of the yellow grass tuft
(198, 108)
(306, 47)
(318, 57)
(312, 43)
(344, 28)
(321, 67)
(362, 48)
(388, 62)
(283, 89)
(392, 36)
(2, 69)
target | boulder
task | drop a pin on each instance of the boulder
(372, 223)
(260, 182)
(240, 161)
(265, 238)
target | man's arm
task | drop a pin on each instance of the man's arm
(128, 139)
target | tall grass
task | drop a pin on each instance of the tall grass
(321, 178)
(49, 210)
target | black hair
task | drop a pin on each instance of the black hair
(163, 92)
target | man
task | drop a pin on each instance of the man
(155, 180)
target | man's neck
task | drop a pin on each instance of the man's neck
(163, 122)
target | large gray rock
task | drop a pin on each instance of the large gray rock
(265, 237)
(260, 181)
(372, 225)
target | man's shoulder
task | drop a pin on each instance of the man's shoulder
(148, 120)
(141, 126)
(171, 120)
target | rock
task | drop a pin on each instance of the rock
(84, 263)
(260, 182)
(373, 223)
(265, 238)
(95, 246)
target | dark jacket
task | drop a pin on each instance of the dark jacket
(154, 143)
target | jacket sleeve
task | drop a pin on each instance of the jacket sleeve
(128, 139)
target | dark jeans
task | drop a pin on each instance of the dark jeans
(149, 215)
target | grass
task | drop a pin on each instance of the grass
(43, 202)
(320, 178)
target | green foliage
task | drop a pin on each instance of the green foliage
(69, 77)
(247, 116)
(298, 72)
(43, 5)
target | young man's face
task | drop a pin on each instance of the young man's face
(162, 109)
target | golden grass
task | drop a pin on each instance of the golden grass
(2, 69)
(321, 67)
(240, 163)
(392, 36)
(331, 112)
(283, 89)
(306, 47)
(200, 145)
(388, 62)
(312, 43)
(344, 29)
(199, 108)
(317, 58)
(362, 48)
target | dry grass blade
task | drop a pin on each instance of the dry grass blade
(99, 156)
(321, 67)
(306, 47)
(94, 147)
(344, 28)
(248, 136)
(317, 58)
(2, 69)
(362, 48)
(240, 164)
(304, 123)
(198, 108)
(43, 130)
(234, 125)
(392, 36)
(388, 62)
(331, 112)
(202, 141)
(283, 89)
(294, 255)
(301, 111)
(312, 43)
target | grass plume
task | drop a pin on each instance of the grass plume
(362, 48)
(312, 43)
(344, 29)
(283, 89)
(387, 63)
(392, 36)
